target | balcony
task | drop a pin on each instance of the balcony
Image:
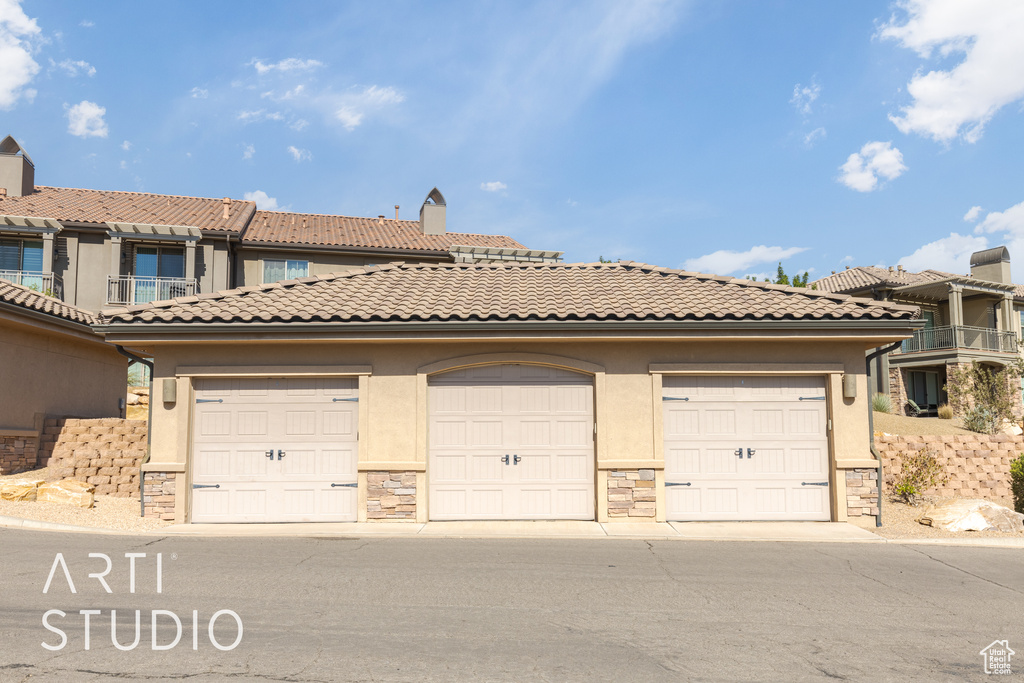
(123, 290)
(44, 283)
(960, 337)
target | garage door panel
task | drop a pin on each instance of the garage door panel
(545, 416)
(779, 424)
(298, 417)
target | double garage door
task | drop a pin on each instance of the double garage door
(275, 450)
(746, 448)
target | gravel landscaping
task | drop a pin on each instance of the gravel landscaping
(120, 514)
(916, 426)
(899, 520)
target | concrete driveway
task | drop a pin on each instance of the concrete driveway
(439, 609)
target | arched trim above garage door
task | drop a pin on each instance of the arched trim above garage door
(523, 358)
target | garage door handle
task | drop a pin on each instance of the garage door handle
(750, 452)
(348, 485)
(677, 483)
(281, 454)
(516, 459)
(269, 454)
(814, 483)
(504, 458)
(738, 452)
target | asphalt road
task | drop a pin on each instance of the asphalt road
(415, 609)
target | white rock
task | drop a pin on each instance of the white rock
(972, 514)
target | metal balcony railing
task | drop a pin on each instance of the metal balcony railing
(960, 337)
(44, 283)
(138, 289)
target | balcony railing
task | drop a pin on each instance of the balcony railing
(138, 289)
(44, 283)
(960, 337)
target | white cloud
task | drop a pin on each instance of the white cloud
(846, 259)
(804, 96)
(126, 146)
(299, 154)
(814, 136)
(253, 115)
(875, 159)
(73, 67)
(972, 214)
(262, 199)
(990, 75)
(248, 152)
(86, 23)
(85, 120)
(124, 165)
(724, 262)
(951, 254)
(354, 105)
(289, 64)
(198, 93)
(495, 186)
(299, 124)
(17, 68)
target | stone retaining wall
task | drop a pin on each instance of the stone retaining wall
(105, 452)
(17, 453)
(861, 492)
(978, 465)
(159, 495)
(391, 495)
(631, 493)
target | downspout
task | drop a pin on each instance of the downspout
(149, 425)
(871, 425)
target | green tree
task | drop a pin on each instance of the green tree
(797, 280)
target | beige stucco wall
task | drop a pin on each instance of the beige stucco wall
(393, 396)
(49, 372)
(320, 262)
(976, 311)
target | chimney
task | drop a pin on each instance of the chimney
(891, 269)
(227, 206)
(17, 172)
(432, 214)
(380, 219)
(396, 212)
(899, 268)
(992, 265)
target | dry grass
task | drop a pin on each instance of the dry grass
(902, 425)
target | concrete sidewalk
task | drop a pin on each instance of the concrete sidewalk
(702, 531)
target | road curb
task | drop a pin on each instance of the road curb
(37, 525)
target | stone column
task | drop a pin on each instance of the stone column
(190, 259)
(115, 265)
(47, 252)
(956, 305)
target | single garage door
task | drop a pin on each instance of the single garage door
(745, 448)
(274, 450)
(511, 442)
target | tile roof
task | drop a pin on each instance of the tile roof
(24, 297)
(350, 231)
(100, 206)
(455, 292)
(862, 277)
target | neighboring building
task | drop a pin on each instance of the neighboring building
(536, 391)
(95, 248)
(52, 363)
(967, 318)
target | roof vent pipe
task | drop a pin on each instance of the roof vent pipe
(227, 207)
(380, 219)
(396, 212)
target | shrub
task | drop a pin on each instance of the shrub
(982, 396)
(880, 403)
(1017, 482)
(980, 419)
(919, 472)
(945, 412)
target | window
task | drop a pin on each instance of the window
(275, 270)
(159, 262)
(21, 255)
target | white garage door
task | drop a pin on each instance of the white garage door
(745, 448)
(511, 442)
(274, 450)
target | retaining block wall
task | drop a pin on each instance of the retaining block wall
(105, 452)
(978, 465)
(17, 453)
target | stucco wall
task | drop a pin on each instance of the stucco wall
(320, 262)
(43, 371)
(628, 405)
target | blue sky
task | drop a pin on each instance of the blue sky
(717, 136)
